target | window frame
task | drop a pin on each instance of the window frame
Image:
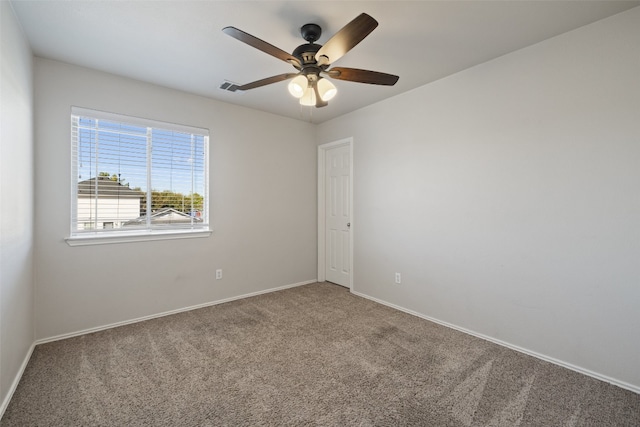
(79, 237)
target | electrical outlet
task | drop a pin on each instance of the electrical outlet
(398, 278)
(219, 274)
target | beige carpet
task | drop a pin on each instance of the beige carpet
(312, 355)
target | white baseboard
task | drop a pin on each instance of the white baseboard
(621, 384)
(16, 380)
(578, 369)
(168, 313)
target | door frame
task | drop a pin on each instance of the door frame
(322, 155)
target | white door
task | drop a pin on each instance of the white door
(338, 215)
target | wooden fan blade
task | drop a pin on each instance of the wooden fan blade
(267, 81)
(345, 39)
(362, 76)
(262, 45)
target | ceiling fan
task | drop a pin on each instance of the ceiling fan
(313, 61)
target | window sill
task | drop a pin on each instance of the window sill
(145, 236)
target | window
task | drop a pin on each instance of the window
(134, 177)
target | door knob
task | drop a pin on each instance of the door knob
(348, 224)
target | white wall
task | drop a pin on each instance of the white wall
(16, 201)
(508, 197)
(263, 202)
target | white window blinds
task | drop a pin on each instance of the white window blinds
(132, 175)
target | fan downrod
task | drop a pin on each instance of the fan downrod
(311, 32)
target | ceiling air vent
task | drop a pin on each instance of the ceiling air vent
(227, 85)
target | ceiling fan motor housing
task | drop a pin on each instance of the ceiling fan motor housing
(306, 53)
(311, 32)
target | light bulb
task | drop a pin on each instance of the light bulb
(309, 97)
(298, 86)
(326, 89)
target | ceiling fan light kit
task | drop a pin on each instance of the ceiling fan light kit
(302, 88)
(298, 86)
(327, 89)
(308, 99)
(312, 61)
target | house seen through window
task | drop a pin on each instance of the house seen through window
(134, 175)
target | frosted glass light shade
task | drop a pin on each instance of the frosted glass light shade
(326, 89)
(309, 98)
(298, 86)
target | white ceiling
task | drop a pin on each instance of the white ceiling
(179, 44)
